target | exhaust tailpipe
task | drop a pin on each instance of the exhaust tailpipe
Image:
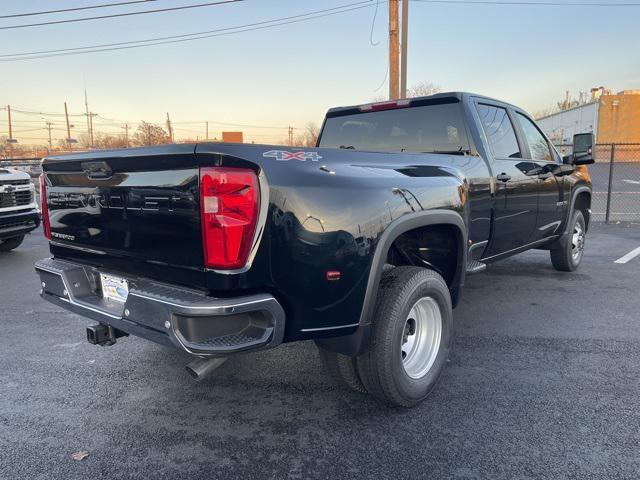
(201, 368)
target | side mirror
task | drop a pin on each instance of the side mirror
(562, 170)
(583, 149)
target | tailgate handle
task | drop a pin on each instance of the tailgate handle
(97, 170)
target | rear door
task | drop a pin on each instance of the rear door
(516, 185)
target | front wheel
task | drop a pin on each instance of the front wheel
(10, 243)
(411, 336)
(567, 255)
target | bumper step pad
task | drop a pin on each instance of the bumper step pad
(474, 266)
(197, 323)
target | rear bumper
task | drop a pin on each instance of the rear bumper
(15, 224)
(187, 319)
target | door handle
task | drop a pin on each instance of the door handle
(503, 177)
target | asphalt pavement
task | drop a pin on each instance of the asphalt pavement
(543, 383)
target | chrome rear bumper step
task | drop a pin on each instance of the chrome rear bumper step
(188, 319)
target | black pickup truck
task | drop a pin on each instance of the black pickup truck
(361, 244)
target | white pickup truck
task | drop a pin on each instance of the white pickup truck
(19, 213)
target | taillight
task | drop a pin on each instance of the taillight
(44, 208)
(229, 206)
(389, 105)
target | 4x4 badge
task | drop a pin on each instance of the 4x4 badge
(283, 155)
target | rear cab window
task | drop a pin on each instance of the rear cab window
(428, 127)
(499, 131)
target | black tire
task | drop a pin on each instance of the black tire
(10, 243)
(342, 370)
(567, 254)
(382, 367)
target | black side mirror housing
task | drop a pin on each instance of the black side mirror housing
(582, 149)
(562, 170)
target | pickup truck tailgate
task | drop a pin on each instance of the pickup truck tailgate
(126, 208)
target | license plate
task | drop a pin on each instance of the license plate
(114, 288)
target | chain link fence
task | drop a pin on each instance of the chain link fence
(616, 181)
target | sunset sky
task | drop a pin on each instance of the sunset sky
(291, 74)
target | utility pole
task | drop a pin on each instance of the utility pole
(394, 51)
(126, 134)
(10, 140)
(66, 116)
(169, 127)
(49, 124)
(290, 136)
(86, 112)
(10, 127)
(91, 129)
(207, 130)
(404, 44)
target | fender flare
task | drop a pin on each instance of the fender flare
(574, 195)
(354, 343)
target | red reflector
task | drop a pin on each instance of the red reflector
(332, 275)
(229, 206)
(44, 207)
(376, 107)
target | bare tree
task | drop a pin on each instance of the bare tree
(150, 134)
(423, 89)
(308, 137)
(545, 112)
(85, 140)
(565, 104)
(105, 140)
(14, 150)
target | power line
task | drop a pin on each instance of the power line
(75, 9)
(114, 122)
(31, 112)
(231, 124)
(105, 123)
(28, 130)
(264, 22)
(34, 121)
(127, 14)
(524, 2)
(188, 36)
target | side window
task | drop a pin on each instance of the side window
(499, 131)
(537, 143)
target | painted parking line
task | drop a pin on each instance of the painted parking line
(633, 182)
(629, 256)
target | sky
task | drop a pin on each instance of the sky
(291, 74)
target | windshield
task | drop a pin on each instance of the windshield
(435, 128)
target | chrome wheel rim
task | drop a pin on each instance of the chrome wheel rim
(577, 241)
(421, 337)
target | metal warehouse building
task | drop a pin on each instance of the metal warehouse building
(612, 119)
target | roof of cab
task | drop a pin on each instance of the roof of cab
(437, 96)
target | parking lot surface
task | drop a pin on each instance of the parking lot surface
(543, 382)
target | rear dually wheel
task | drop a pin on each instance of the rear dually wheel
(411, 336)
